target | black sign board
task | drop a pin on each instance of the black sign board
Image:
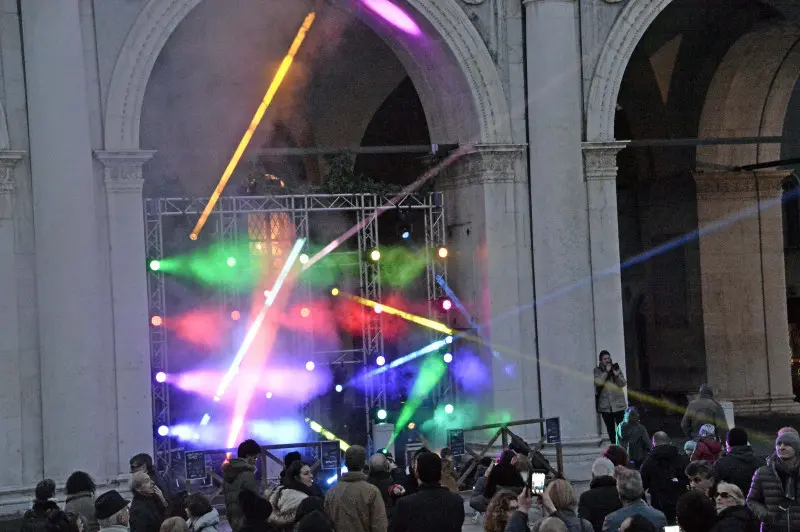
(457, 446)
(552, 428)
(196, 465)
(330, 454)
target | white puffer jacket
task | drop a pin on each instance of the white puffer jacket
(284, 503)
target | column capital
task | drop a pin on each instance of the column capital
(725, 185)
(8, 160)
(770, 181)
(600, 159)
(123, 169)
(485, 163)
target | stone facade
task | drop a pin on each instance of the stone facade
(532, 85)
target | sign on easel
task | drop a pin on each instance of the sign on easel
(456, 442)
(196, 465)
(552, 430)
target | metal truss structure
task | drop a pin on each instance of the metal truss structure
(271, 224)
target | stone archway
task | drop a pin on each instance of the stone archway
(452, 28)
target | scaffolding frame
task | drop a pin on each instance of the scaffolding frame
(226, 217)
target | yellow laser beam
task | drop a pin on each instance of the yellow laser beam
(419, 320)
(251, 129)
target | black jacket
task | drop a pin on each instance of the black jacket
(35, 519)
(147, 513)
(431, 509)
(663, 475)
(383, 480)
(737, 519)
(768, 497)
(737, 467)
(502, 476)
(601, 499)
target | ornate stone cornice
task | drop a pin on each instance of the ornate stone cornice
(770, 181)
(600, 160)
(8, 160)
(485, 163)
(123, 169)
(726, 185)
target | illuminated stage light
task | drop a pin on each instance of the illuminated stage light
(375, 255)
(303, 259)
(447, 304)
(448, 340)
(378, 308)
(335, 292)
(339, 388)
(269, 395)
(393, 15)
(305, 312)
(259, 246)
(442, 253)
(448, 409)
(231, 261)
(406, 235)
(310, 366)
(382, 414)
(412, 426)
(380, 360)
(419, 320)
(161, 377)
(163, 430)
(155, 265)
(205, 420)
(216, 398)
(448, 357)
(156, 321)
(236, 315)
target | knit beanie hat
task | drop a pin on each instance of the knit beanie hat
(706, 430)
(689, 447)
(791, 439)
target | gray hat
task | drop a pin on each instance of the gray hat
(791, 439)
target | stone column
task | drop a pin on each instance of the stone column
(123, 184)
(743, 289)
(488, 231)
(561, 245)
(10, 377)
(600, 168)
(67, 254)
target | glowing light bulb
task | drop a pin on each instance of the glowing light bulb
(378, 308)
(163, 430)
(335, 292)
(375, 255)
(310, 366)
(305, 312)
(155, 265)
(448, 409)
(448, 357)
(161, 377)
(231, 261)
(157, 321)
(269, 395)
(236, 315)
(380, 360)
(303, 259)
(339, 388)
(447, 304)
(443, 253)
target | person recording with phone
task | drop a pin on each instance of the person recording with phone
(610, 401)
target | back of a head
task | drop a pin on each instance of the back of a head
(446, 452)
(174, 524)
(379, 463)
(143, 459)
(553, 524)
(291, 457)
(637, 523)
(562, 495)
(308, 506)
(695, 512)
(632, 414)
(699, 468)
(707, 431)
(660, 438)
(254, 507)
(248, 448)
(629, 484)
(355, 458)
(79, 482)
(602, 467)
(617, 454)
(429, 468)
(706, 391)
(138, 480)
(736, 436)
(197, 504)
(46, 489)
(506, 457)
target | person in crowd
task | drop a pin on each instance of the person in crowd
(201, 515)
(111, 511)
(601, 498)
(630, 489)
(701, 411)
(255, 512)
(503, 475)
(663, 475)
(518, 520)
(701, 477)
(59, 521)
(732, 512)
(296, 486)
(398, 474)
(637, 523)
(80, 498)
(239, 475)
(174, 524)
(633, 437)
(773, 494)
(788, 429)
(147, 508)
(144, 462)
(618, 455)
(696, 512)
(739, 464)
(177, 505)
(433, 508)
(523, 466)
(498, 512)
(289, 459)
(609, 395)
(558, 500)
(553, 524)
(311, 516)
(35, 519)
(708, 447)
(381, 478)
(412, 484)
(689, 447)
(478, 500)
(449, 476)
(353, 503)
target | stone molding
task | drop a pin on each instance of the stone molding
(8, 160)
(628, 29)
(600, 160)
(770, 182)
(485, 163)
(122, 170)
(158, 19)
(725, 185)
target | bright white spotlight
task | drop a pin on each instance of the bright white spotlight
(216, 398)
(375, 255)
(163, 430)
(406, 235)
(310, 366)
(448, 340)
(378, 308)
(339, 388)
(380, 360)
(448, 409)
(205, 420)
(269, 395)
(448, 357)
(161, 377)
(303, 259)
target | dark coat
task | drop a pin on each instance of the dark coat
(663, 475)
(503, 475)
(383, 480)
(737, 519)
(737, 467)
(431, 509)
(634, 439)
(707, 449)
(147, 513)
(704, 410)
(601, 500)
(35, 519)
(237, 475)
(768, 494)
